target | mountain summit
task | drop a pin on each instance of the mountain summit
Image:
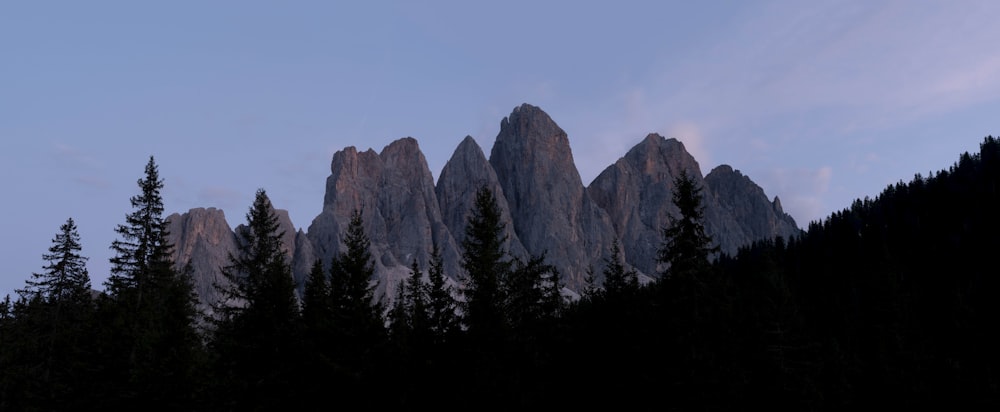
(538, 190)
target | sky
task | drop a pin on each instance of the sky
(818, 102)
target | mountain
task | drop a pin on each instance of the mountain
(637, 190)
(550, 208)
(203, 239)
(741, 211)
(466, 172)
(395, 192)
(539, 191)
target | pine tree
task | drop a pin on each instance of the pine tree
(353, 285)
(142, 254)
(487, 265)
(151, 305)
(52, 356)
(5, 308)
(618, 281)
(686, 248)
(410, 317)
(441, 304)
(692, 299)
(359, 333)
(531, 293)
(400, 328)
(316, 309)
(256, 333)
(66, 274)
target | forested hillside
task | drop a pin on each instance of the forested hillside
(890, 303)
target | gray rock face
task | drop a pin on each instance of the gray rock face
(203, 239)
(637, 193)
(395, 192)
(463, 175)
(538, 189)
(744, 212)
(551, 211)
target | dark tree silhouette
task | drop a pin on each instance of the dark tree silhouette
(256, 334)
(50, 362)
(442, 306)
(65, 275)
(619, 281)
(150, 307)
(686, 248)
(359, 335)
(486, 265)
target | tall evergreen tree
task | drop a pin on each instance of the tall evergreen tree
(355, 271)
(531, 293)
(686, 248)
(256, 331)
(354, 297)
(142, 253)
(486, 264)
(359, 333)
(442, 306)
(51, 361)
(65, 276)
(618, 281)
(410, 315)
(151, 305)
(316, 308)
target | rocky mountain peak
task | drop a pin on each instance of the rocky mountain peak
(532, 173)
(550, 209)
(394, 191)
(637, 192)
(529, 131)
(466, 171)
(203, 239)
(742, 212)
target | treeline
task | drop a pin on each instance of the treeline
(889, 303)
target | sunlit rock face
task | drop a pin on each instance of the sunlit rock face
(202, 241)
(637, 192)
(540, 195)
(465, 173)
(743, 212)
(394, 190)
(550, 208)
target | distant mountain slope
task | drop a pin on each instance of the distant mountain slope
(538, 187)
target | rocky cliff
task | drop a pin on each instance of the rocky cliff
(203, 239)
(637, 190)
(538, 189)
(551, 211)
(394, 190)
(465, 173)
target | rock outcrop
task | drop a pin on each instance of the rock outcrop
(465, 173)
(531, 172)
(637, 192)
(203, 239)
(394, 190)
(551, 211)
(743, 212)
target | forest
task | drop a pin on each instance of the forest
(889, 303)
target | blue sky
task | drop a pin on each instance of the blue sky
(819, 102)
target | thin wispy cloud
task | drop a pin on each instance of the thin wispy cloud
(86, 169)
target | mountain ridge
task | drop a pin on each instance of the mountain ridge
(538, 188)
